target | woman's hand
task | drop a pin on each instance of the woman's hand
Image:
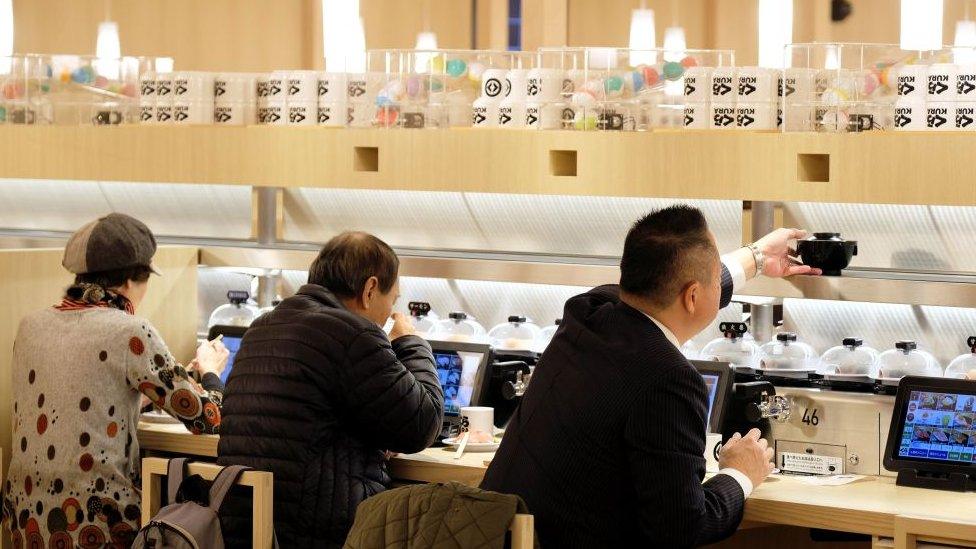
(211, 358)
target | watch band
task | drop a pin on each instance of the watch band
(758, 257)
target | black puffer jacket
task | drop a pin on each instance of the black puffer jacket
(316, 395)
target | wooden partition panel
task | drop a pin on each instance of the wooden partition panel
(34, 279)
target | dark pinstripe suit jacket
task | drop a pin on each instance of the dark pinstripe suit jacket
(607, 445)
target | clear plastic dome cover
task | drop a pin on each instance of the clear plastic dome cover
(784, 352)
(906, 359)
(239, 312)
(518, 334)
(962, 367)
(850, 359)
(691, 350)
(739, 352)
(545, 336)
(460, 327)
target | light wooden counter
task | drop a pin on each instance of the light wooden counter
(873, 505)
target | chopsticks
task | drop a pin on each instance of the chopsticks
(461, 445)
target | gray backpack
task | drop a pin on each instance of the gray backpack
(188, 525)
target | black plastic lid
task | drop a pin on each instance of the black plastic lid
(558, 321)
(238, 297)
(457, 316)
(733, 330)
(972, 343)
(826, 236)
(786, 336)
(853, 342)
(516, 319)
(906, 345)
(418, 308)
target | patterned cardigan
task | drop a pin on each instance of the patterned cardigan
(78, 377)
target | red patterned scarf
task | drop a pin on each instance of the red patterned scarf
(88, 296)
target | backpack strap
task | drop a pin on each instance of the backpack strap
(175, 473)
(223, 483)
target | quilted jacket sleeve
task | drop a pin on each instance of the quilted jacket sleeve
(392, 392)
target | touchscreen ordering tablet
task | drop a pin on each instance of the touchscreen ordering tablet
(718, 385)
(232, 340)
(460, 371)
(933, 427)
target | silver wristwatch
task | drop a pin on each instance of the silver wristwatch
(759, 257)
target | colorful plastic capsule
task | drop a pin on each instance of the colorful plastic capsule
(456, 68)
(673, 70)
(613, 86)
(689, 62)
(651, 76)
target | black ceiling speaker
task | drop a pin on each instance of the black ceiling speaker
(840, 10)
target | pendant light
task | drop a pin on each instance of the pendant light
(108, 49)
(775, 32)
(921, 25)
(426, 41)
(343, 36)
(6, 34)
(642, 37)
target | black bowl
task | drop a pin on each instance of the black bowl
(827, 252)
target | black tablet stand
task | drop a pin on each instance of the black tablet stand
(953, 482)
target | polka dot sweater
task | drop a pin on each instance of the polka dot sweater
(78, 376)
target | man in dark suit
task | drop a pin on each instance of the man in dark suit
(607, 446)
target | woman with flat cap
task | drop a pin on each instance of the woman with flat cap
(80, 369)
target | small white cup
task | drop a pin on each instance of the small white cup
(147, 112)
(713, 448)
(515, 84)
(230, 113)
(546, 85)
(756, 85)
(698, 84)
(232, 87)
(797, 85)
(331, 87)
(193, 112)
(164, 113)
(493, 84)
(332, 114)
(193, 86)
(722, 116)
(164, 88)
(272, 115)
(360, 114)
(303, 86)
(756, 116)
(697, 116)
(304, 113)
(965, 116)
(272, 88)
(545, 116)
(912, 82)
(966, 83)
(942, 82)
(724, 85)
(484, 112)
(940, 116)
(147, 86)
(478, 419)
(511, 113)
(909, 115)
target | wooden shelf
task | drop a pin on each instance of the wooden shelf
(874, 167)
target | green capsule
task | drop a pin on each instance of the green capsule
(673, 70)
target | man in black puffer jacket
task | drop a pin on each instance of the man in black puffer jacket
(318, 395)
